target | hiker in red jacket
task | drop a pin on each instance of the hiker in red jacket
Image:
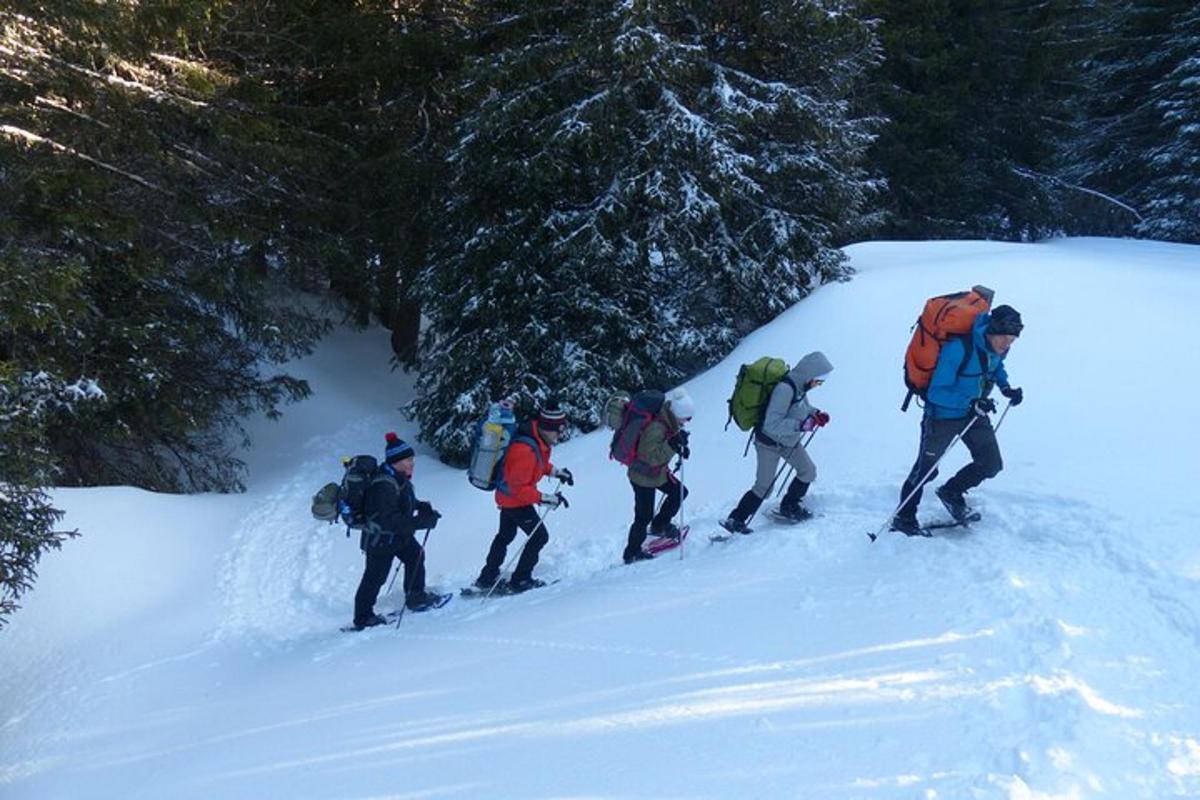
(526, 462)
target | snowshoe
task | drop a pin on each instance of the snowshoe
(668, 531)
(735, 526)
(908, 526)
(512, 586)
(661, 543)
(426, 601)
(504, 588)
(640, 555)
(370, 622)
(972, 516)
(791, 514)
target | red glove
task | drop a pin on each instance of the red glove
(819, 419)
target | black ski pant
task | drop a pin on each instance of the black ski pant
(936, 436)
(408, 550)
(643, 510)
(525, 518)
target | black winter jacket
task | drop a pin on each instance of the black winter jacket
(390, 508)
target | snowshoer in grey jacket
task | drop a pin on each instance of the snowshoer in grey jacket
(788, 416)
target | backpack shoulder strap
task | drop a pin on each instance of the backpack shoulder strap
(968, 351)
(382, 476)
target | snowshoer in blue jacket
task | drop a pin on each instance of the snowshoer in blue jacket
(957, 402)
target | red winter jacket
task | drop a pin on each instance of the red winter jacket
(522, 470)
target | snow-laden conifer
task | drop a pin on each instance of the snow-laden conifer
(1141, 131)
(637, 185)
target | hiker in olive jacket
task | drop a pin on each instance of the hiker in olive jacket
(663, 438)
(787, 418)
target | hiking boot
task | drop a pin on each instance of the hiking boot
(954, 503)
(746, 507)
(667, 531)
(483, 583)
(518, 585)
(794, 512)
(734, 526)
(637, 555)
(369, 622)
(908, 526)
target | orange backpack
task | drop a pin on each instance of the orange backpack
(944, 316)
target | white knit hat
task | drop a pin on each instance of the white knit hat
(681, 404)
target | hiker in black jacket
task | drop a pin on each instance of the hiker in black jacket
(393, 516)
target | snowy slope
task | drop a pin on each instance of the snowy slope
(188, 646)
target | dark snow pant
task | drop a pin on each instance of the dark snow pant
(525, 518)
(936, 436)
(643, 510)
(379, 564)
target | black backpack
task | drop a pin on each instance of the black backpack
(344, 501)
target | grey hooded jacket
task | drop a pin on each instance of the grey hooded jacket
(788, 408)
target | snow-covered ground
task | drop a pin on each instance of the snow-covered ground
(188, 647)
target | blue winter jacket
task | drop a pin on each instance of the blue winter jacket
(950, 390)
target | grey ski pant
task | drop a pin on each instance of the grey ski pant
(768, 457)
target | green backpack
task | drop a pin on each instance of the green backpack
(755, 382)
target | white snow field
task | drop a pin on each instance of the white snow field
(188, 647)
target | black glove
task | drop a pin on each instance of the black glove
(1014, 394)
(983, 406)
(426, 516)
(679, 442)
(565, 476)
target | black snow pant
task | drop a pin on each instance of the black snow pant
(643, 510)
(379, 564)
(525, 518)
(936, 436)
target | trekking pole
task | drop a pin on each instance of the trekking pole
(1003, 414)
(921, 483)
(513, 555)
(682, 519)
(394, 575)
(420, 561)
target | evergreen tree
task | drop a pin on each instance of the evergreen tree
(1142, 131)
(1172, 208)
(637, 185)
(182, 206)
(365, 75)
(31, 300)
(976, 93)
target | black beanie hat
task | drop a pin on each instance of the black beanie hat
(1005, 321)
(396, 449)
